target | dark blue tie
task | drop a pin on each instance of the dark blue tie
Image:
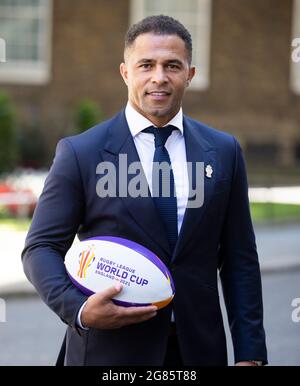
(166, 205)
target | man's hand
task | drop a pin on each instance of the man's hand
(100, 311)
(245, 363)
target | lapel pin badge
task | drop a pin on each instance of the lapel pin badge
(209, 171)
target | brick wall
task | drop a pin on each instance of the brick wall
(249, 94)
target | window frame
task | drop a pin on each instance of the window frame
(32, 72)
(201, 81)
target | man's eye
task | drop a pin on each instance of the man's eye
(146, 65)
(173, 66)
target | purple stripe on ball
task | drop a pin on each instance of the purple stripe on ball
(81, 287)
(127, 304)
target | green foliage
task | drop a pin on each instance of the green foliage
(8, 134)
(274, 212)
(33, 148)
(16, 224)
(87, 115)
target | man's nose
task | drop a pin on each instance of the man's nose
(159, 76)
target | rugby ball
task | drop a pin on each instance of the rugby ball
(96, 264)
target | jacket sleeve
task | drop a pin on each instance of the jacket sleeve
(56, 219)
(240, 271)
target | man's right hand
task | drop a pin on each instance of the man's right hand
(100, 311)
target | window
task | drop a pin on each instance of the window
(196, 16)
(295, 65)
(25, 27)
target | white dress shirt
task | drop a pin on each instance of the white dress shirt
(175, 145)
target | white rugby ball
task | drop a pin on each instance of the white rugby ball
(96, 264)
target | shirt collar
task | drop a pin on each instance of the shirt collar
(137, 122)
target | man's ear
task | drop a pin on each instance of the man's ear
(192, 72)
(124, 73)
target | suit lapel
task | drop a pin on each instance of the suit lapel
(142, 209)
(197, 150)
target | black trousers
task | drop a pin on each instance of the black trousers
(173, 356)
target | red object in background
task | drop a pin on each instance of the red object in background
(17, 208)
(4, 188)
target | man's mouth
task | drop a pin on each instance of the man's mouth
(158, 96)
(158, 93)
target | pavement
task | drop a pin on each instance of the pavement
(278, 248)
(31, 333)
(23, 313)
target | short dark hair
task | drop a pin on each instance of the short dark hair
(160, 25)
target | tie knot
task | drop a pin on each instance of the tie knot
(160, 134)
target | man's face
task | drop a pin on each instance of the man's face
(157, 72)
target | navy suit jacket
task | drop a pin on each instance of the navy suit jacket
(215, 237)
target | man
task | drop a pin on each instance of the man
(217, 235)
